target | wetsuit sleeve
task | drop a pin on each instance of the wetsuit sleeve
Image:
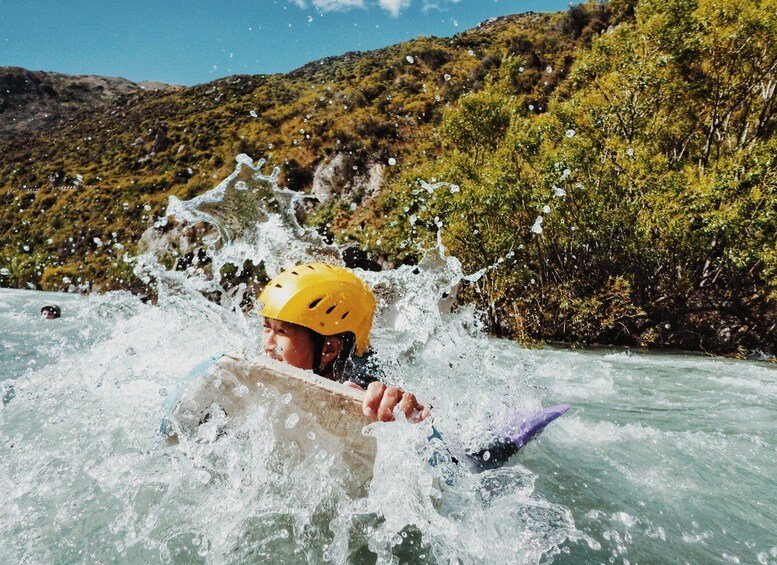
(363, 370)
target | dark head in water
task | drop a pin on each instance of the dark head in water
(50, 312)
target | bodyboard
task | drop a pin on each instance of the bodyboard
(327, 411)
(336, 407)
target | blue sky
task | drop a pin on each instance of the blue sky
(194, 41)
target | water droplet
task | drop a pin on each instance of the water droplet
(570, 133)
(548, 69)
(253, 114)
(410, 59)
(447, 77)
(392, 161)
(5, 272)
(546, 209)
(291, 421)
(537, 227)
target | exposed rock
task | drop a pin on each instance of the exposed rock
(337, 177)
(329, 178)
(174, 239)
(161, 140)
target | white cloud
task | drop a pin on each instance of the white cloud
(337, 5)
(439, 5)
(394, 7)
(330, 5)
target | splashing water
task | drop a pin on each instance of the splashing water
(662, 458)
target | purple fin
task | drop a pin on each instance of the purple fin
(521, 428)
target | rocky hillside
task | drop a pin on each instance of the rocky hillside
(35, 103)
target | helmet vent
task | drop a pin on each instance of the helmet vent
(329, 310)
(295, 273)
(278, 285)
(344, 316)
(315, 303)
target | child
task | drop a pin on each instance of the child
(318, 317)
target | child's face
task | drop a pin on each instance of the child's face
(288, 342)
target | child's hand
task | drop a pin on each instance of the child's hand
(380, 401)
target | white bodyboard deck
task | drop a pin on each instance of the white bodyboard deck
(233, 388)
(336, 407)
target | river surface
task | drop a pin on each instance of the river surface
(661, 458)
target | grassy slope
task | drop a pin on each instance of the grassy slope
(133, 153)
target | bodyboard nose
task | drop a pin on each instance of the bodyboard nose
(521, 428)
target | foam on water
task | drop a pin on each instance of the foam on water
(662, 458)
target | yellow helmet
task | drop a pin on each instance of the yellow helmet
(324, 298)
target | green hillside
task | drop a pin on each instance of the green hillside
(643, 139)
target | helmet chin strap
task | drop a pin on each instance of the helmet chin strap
(318, 352)
(333, 368)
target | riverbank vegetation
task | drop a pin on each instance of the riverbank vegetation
(640, 208)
